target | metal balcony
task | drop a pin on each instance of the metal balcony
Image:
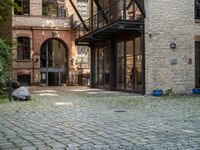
(118, 16)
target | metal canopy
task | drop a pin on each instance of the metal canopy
(107, 31)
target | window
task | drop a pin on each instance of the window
(197, 9)
(82, 8)
(24, 80)
(25, 7)
(82, 57)
(23, 48)
(53, 8)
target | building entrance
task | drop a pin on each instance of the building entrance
(53, 62)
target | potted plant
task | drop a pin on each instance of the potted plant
(157, 92)
(169, 92)
(196, 91)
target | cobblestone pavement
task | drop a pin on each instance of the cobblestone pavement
(88, 119)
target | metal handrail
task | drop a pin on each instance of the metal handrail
(96, 21)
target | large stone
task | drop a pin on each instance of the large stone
(21, 93)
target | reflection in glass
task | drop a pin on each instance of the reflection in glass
(102, 67)
(129, 65)
(120, 65)
(138, 65)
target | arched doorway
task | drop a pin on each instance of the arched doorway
(53, 62)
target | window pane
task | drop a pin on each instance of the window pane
(50, 8)
(129, 65)
(197, 9)
(138, 64)
(120, 65)
(26, 7)
(23, 48)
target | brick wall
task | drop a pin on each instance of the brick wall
(170, 21)
(40, 28)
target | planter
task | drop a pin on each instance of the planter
(196, 91)
(157, 93)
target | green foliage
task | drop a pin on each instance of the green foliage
(6, 7)
(169, 92)
(5, 50)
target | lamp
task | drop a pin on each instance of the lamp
(173, 45)
(54, 33)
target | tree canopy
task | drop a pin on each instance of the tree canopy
(4, 57)
(6, 7)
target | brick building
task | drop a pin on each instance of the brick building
(46, 51)
(143, 45)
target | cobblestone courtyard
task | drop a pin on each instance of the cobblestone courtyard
(81, 118)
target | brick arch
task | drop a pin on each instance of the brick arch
(24, 35)
(40, 36)
(23, 73)
(65, 45)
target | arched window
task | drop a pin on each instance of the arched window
(53, 8)
(25, 7)
(197, 9)
(23, 48)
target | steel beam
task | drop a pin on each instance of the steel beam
(79, 16)
(140, 4)
(101, 10)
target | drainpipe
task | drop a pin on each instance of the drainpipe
(33, 61)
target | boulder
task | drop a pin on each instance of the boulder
(21, 93)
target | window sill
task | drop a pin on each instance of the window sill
(21, 15)
(23, 60)
(53, 17)
(42, 16)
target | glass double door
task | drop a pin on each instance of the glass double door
(129, 65)
(53, 62)
(102, 67)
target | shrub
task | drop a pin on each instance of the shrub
(4, 57)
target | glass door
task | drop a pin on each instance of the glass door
(138, 65)
(120, 65)
(197, 64)
(129, 65)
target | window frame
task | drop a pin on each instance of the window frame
(59, 5)
(197, 9)
(21, 13)
(22, 48)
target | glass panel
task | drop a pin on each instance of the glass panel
(129, 65)
(138, 65)
(101, 69)
(106, 67)
(197, 9)
(23, 48)
(96, 67)
(120, 65)
(50, 8)
(197, 65)
(61, 11)
(25, 7)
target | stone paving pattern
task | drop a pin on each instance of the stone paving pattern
(89, 119)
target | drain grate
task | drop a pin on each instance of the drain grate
(120, 111)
